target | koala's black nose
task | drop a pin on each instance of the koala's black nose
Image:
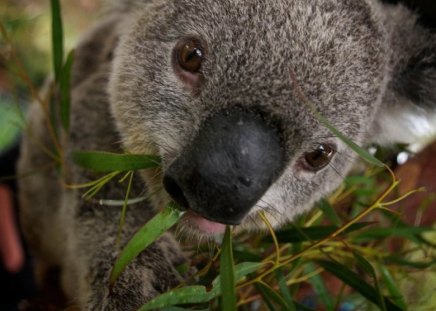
(228, 167)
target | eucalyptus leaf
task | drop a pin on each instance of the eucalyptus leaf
(184, 295)
(64, 84)
(313, 233)
(369, 269)
(197, 293)
(365, 155)
(356, 282)
(227, 273)
(400, 261)
(99, 161)
(153, 229)
(392, 287)
(241, 270)
(329, 212)
(271, 297)
(284, 289)
(380, 233)
(320, 288)
(57, 38)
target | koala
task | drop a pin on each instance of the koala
(220, 91)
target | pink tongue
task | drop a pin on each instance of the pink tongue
(205, 225)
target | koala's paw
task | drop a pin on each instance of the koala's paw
(151, 273)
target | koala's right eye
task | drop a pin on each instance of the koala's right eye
(189, 55)
(319, 158)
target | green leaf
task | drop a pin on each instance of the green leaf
(227, 274)
(407, 263)
(284, 289)
(295, 235)
(198, 294)
(369, 269)
(144, 237)
(271, 297)
(107, 162)
(244, 255)
(302, 307)
(359, 180)
(57, 39)
(391, 285)
(320, 288)
(357, 283)
(329, 212)
(365, 155)
(184, 295)
(380, 233)
(241, 270)
(268, 295)
(64, 84)
(182, 309)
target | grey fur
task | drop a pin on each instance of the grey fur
(354, 60)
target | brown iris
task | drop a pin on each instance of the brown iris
(319, 157)
(190, 55)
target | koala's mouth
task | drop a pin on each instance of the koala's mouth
(202, 224)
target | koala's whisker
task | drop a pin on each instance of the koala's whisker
(273, 213)
(161, 146)
(336, 170)
(166, 148)
(254, 221)
(347, 157)
(321, 137)
(210, 246)
(177, 231)
(272, 207)
(157, 175)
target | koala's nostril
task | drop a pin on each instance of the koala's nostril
(246, 181)
(175, 191)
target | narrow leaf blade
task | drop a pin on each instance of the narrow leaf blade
(312, 233)
(271, 297)
(184, 295)
(329, 212)
(65, 91)
(320, 288)
(108, 162)
(57, 38)
(365, 155)
(227, 273)
(153, 229)
(241, 270)
(379, 233)
(286, 294)
(368, 268)
(356, 282)
(391, 285)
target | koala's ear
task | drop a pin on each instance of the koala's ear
(408, 111)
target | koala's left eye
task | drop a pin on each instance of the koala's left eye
(319, 157)
(189, 55)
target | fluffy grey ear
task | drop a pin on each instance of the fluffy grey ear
(408, 111)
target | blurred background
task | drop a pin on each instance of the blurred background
(27, 23)
(25, 63)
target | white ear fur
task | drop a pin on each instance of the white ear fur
(405, 123)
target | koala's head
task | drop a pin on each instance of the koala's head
(218, 89)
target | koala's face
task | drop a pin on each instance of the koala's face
(218, 89)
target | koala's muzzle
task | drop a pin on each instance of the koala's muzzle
(228, 167)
